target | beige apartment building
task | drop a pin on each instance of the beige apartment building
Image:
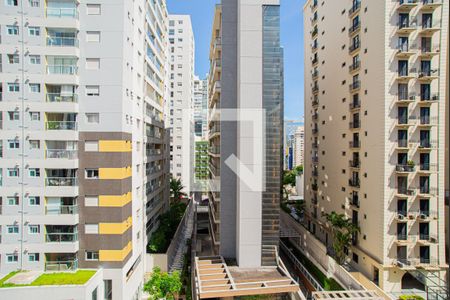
(375, 86)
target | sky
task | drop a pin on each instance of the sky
(202, 11)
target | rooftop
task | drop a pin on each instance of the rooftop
(33, 278)
(214, 279)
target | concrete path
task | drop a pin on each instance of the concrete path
(24, 277)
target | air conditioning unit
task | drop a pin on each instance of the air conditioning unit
(400, 217)
(423, 216)
(411, 217)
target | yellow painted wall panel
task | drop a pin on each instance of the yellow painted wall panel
(114, 228)
(114, 173)
(114, 200)
(114, 146)
(115, 255)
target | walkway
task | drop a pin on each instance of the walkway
(186, 234)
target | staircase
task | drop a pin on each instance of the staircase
(436, 287)
(178, 260)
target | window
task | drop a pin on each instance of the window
(91, 146)
(35, 88)
(34, 31)
(11, 258)
(92, 63)
(13, 58)
(13, 115)
(91, 201)
(92, 255)
(13, 172)
(35, 59)
(93, 9)
(92, 173)
(93, 118)
(34, 172)
(33, 229)
(35, 116)
(13, 200)
(12, 30)
(92, 90)
(32, 257)
(35, 144)
(34, 200)
(171, 23)
(13, 87)
(34, 3)
(13, 144)
(93, 36)
(12, 229)
(11, 2)
(91, 228)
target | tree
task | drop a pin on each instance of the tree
(299, 207)
(342, 230)
(163, 285)
(176, 189)
(289, 178)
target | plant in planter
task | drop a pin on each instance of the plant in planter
(410, 165)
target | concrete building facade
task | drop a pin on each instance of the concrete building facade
(299, 146)
(246, 73)
(200, 107)
(181, 98)
(84, 151)
(375, 80)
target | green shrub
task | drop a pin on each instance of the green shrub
(410, 297)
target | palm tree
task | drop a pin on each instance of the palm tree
(342, 230)
(176, 189)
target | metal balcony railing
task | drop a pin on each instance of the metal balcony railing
(61, 125)
(60, 237)
(61, 181)
(58, 97)
(61, 210)
(61, 153)
(404, 168)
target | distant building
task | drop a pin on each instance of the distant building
(299, 146)
(201, 160)
(290, 128)
(200, 106)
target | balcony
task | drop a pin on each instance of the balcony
(315, 89)
(315, 116)
(55, 41)
(403, 51)
(405, 191)
(427, 215)
(315, 130)
(215, 150)
(61, 125)
(427, 121)
(354, 67)
(356, 104)
(61, 181)
(428, 75)
(405, 98)
(354, 86)
(403, 238)
(427, 52)
(61, 154)
(355, 163)
(314, 61)
(62, 69)
(354, 201)
(401, 216)
(427, 168)
(405, 76)
(430, 28)
(61, 234)
(315, 173)
(407, 5)
(354, 144)
(354, 125)
(425, 144)
(61, 265)
(354, 9)
(62, 210)
(354, 47)
(315, 102)
(315, 159)
(430, 5)
(426, 191)
(315, 74)
(314, 32)
(354, 29)
(59, 12)
(406, 27)
(426, 98)
(427, 239)
(405, 168)
(354, 182)
(315, 145)
(314, 187)
(58, 97)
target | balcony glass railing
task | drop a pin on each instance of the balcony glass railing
(62, 41)
(61, 181)
(61, 210)
(61, 125)
(61, 153)
(69, 265)
(58, 97)
(61, 237)
(404, 168)
(62, 69)
(57, 12)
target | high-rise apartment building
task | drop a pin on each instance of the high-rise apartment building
(375, 80)
(181, 98)
(299, 146)
(246, 84)
(84, 153)
(200, 106)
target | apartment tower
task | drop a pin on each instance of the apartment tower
(200, 106)
(299, 146)
(181, 100)
(246, 74)
(375, 85)
(83, 160)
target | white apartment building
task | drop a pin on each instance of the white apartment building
(375, 86)
(181, 98)
(84, 152)
(200, 106)
(299, 146)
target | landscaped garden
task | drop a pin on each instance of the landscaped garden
(64, 278)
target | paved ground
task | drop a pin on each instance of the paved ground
(24, 277)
